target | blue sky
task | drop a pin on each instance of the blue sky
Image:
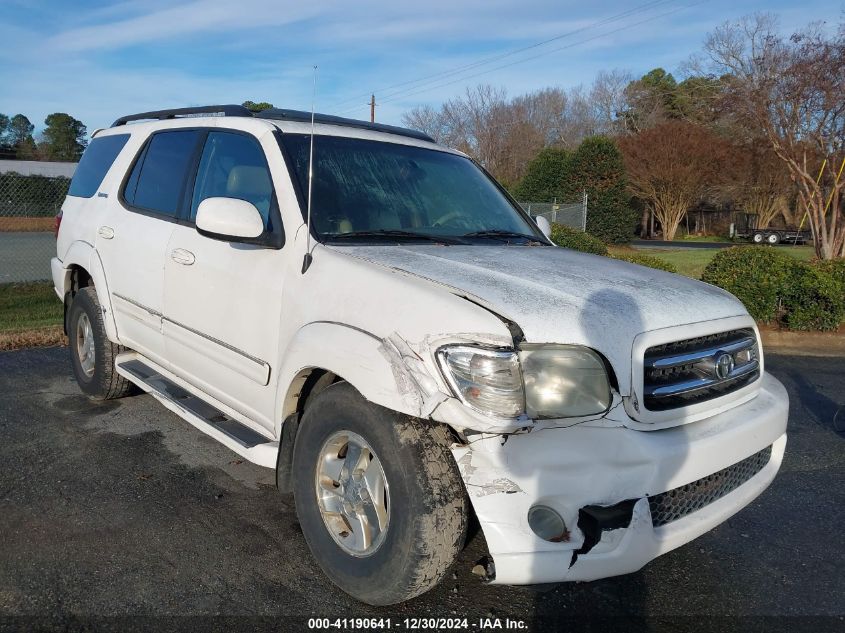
(98, 60)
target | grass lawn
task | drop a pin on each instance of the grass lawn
(692, 261)
(28, 306)
(702, 238)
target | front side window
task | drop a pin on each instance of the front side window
(158, 179)
(233, 166)
(95, 163)
(362, 186)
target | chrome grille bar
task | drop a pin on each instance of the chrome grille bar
(697, 384)
(685, 372)
(697, 356)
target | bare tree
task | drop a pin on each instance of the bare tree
(672, 166)
(505, 134)
(760, 184)
(607, 98)
(792, 91)
(544, 110)
(425, 119)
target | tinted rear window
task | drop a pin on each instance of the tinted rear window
(96, 161)
(157, 182)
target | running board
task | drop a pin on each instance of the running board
(236, 436)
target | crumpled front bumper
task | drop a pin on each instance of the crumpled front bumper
(590, 465)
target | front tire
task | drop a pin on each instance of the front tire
(757, 238)
(378, 495)
(773, 239)
(91, 352)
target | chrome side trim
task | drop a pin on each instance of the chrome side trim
(137, 305)
(231, 348)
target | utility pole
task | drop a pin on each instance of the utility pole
(584, 213)
(372, 108)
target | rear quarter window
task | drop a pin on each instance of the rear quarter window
(95, 163)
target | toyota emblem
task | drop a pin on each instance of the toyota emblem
(724, 365)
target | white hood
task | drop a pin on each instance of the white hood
(556, 295)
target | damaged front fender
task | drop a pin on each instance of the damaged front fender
(424, 391)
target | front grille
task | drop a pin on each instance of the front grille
(686, 372)
(679, 502)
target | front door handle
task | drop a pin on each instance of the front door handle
(106, 232)
(181, 256)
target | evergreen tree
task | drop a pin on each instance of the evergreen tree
(599, 169)
(20, 137)
(252, 106)
(545, 177)
(64, 137)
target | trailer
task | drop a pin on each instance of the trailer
(745, 228)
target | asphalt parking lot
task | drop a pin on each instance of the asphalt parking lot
(25, 256)
(122, 509)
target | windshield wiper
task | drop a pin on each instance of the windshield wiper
(497, 233)
(394, 234)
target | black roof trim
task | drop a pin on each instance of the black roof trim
(226, 110)
(277, 114)
(301, 116)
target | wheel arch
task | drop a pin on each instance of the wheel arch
(323, 353)
(83, 267)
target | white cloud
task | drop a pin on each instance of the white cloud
(137, 55)
(200, 16)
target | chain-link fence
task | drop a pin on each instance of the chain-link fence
(29, 202)
(572, 214)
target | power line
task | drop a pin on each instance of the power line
(533, 57)
(415, 91)
(442, 75)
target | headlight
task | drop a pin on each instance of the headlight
(487, 380)
(544, 381)
(563, 381)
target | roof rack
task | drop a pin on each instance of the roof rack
(226, 110)
(278, 114)
(302, 116)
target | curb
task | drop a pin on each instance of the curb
(827, 344)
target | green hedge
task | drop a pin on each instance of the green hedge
(31, 196)
(777, 288)
(834, 268)
(815, 300)
(647, 260)
(567, 237)
(595, 167)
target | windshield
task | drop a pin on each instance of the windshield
(370, 188)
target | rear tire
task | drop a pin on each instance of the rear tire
(91, 352)
(773, 239)
(757, 238)
(424, 526)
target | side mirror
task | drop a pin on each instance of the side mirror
(544, 226)
(229, 219)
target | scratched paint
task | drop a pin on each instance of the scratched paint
(556, 295)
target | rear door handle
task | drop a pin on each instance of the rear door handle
(181, 256)
(106, 232)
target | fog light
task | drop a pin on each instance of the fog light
(547, 524)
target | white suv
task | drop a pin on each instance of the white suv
(423, 352)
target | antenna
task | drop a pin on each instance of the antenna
(306, 261)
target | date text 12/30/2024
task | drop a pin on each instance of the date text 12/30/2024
(416, 624)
